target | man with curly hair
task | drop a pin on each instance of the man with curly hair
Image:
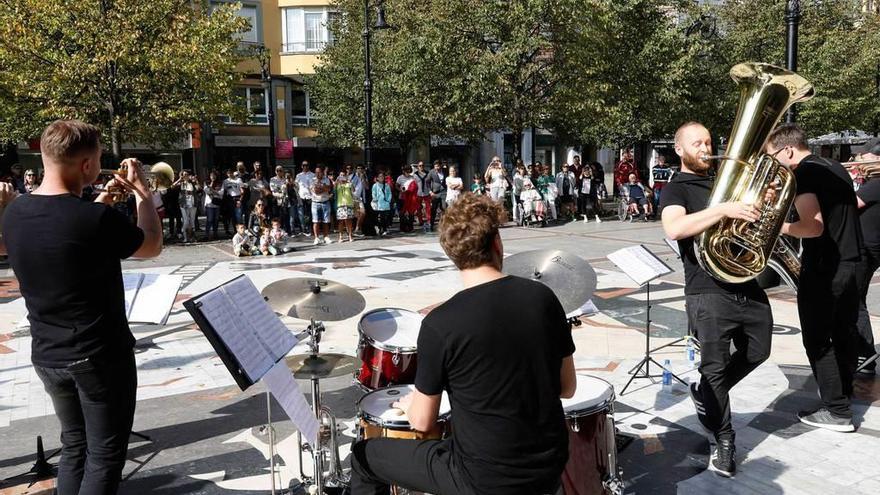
(508, 434)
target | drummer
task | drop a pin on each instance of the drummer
(502, 349)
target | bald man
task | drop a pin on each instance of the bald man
(719, 312)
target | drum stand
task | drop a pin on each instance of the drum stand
(320, 482)
(643, 368)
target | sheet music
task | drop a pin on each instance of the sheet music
(639, 264)
(154, 299)
(587, 309)
(279, 380)
(131, 282)
(238, 337)
(268, 329)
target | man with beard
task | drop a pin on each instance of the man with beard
(719, 312)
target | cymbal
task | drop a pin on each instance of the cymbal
(314, 298)
(325, 365)
(570, 277)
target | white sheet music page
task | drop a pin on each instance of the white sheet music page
(131, 282)
(267, 328)
(154, 299)
(226, 319)
(639, 264)
(279, 380)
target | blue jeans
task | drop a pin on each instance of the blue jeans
(213, 216)
(95, 402)
(321, 212)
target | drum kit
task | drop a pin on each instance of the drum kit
(385, 370)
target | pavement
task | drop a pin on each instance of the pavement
(203, 433)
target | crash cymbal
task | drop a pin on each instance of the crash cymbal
(570, 277)
(325, 365)
(314, 298)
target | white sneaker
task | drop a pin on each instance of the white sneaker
(316, 241)
(586, 218)
(328, 240)
(598, 220)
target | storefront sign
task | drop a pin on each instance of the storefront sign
(241, 141)
(283, 148)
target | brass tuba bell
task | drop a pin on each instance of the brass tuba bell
(732, 250)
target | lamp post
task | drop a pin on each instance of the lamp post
(792, 19)
(265, 58)
(368, 80)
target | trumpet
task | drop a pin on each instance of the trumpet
(160, 177)
(868, 168)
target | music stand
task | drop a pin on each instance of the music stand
(244, 367)
(643, 266)
(689, 335)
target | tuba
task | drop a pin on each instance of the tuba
(736, 251)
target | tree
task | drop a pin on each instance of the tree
(839, 53)
(141, 70)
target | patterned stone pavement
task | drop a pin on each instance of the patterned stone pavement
(204, 435)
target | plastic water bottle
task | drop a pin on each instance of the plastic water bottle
(667, 375)
(690, 351)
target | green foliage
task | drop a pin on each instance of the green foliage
(608, 72)
(838, 52)
(141, 70)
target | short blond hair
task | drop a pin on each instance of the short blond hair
(67, 140)
(468, 229)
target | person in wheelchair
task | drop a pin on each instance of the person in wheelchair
(638, 198)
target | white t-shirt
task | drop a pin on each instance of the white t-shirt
(319, 197)
(303, 181)
(232, 187)
(452, 194)
(496, 180)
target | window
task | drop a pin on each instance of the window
(299, 108)
(306, 29)
(249, 12)
(255, 100)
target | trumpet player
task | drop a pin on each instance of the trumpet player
(71, 280)
(720, 312)
(868, 198)
(828, 293)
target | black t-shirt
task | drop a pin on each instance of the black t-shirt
(65, 253)
(691, 192)
(870, 213)
(497, 349)
(841, 239)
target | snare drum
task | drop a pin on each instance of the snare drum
(378, 419)
(387, 347)
(592, 451)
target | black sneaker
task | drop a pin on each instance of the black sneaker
(824, 419)
(697, 398)
(723, 459)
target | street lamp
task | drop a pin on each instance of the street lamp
(265, 58)
(792, 19)
(368, 79)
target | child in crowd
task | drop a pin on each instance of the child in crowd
(478, 187)
(278, 238)
(243, 242)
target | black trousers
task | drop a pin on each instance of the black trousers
(870, 263)
(438, 204)
(95, 402)
(718, 320)
(828, 306)
(421, 465)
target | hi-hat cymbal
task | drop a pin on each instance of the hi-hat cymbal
(325, 365)
(570, 277)
(314, 298)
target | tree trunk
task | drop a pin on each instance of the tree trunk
(116, 143)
